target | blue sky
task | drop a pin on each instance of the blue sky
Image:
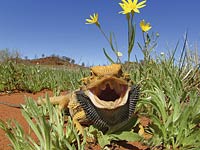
(36, 27)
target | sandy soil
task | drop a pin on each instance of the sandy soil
(7, 112)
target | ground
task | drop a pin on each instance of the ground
(7, 112)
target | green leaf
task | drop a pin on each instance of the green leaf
(108, 57)
(121, 136)
(111, 44)
(33, 126)
(160, 129)
(192, 139)
(104, 140)
(140, 46)
(127, 136)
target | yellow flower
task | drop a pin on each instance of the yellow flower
(93, 19)
(145, 26)
(130, 6)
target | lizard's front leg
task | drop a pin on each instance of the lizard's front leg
(76, 118)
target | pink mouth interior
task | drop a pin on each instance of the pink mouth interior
(109, 94)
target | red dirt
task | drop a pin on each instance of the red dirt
(7, 112)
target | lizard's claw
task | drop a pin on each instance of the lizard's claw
(76, 118)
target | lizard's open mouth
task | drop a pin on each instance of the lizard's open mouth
(109, 93)
(109, 90)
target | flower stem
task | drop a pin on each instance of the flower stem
(110, 42)
(103, 34)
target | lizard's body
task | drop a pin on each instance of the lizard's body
(106, 99)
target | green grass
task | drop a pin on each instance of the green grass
(36, 78)
(52, 133)
(173, 106)
(170, 98)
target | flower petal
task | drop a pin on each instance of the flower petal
(145, 26)
(131, 6)
(93, 19)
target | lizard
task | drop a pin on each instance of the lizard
(106, 99)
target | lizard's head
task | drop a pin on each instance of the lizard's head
(108, 97)
(107, 87)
